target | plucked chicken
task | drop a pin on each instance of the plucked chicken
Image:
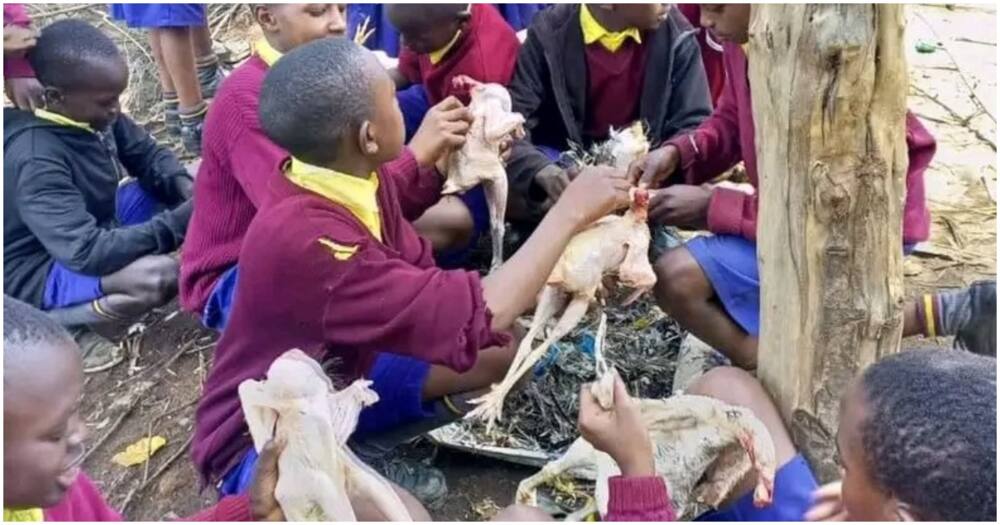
(479, 161)
(615, 244)
(318, 472)
(703, 449)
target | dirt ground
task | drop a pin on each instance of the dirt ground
(154, 392)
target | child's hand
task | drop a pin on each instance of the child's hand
(594, 193)
(26, 92)
(554, 180)
(263, 505)
(18, 39)
(619, 432)
(651, 170)
(682, 205)
(442, 131)
(828, 504)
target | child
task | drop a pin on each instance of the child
(586, 68)
(332, 266)
(917, 442)
(722, 269)
(239, 161)
(44, 436)
(711, 51)
(80, 241)
(188, 68)
(20, 84)
(442, 41)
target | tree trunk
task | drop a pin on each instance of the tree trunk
(829, 89)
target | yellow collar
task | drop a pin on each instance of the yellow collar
(356, 194)
(22, 515)
(593, 31)
(438, 56)
(61, 119)
(266, 52)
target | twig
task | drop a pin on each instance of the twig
(163, 468)
(180, 408)
(56, 12)
(961, 74)
(964, 122)
(114, 427)
(107, 21)
(169, 361)
(149, 449)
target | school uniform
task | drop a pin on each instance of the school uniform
(574, 79)
(331, 265)
(238, 163)
(80, 204)
(729, 258)
(153, 16)
(83, 502)
(485, 51)
(711, 50)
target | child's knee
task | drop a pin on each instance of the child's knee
(727, 383)
(678, 277)
(522, 513)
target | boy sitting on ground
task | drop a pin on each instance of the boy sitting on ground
(44, 436)
(83, 240)
(587, 68)
(239, 162)
(441, 42)
(711, 285)
(333, 266)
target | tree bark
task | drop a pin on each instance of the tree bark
(829, 85)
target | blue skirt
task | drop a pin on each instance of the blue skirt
(159, 15)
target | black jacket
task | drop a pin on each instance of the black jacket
(550, 87)
(59, 189)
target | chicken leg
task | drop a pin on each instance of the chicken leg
(496, 200)
(490, 405)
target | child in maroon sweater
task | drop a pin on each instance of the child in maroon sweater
(440, 42)
(711, 285)
(333, 266)
(239, 162)
(44, 433)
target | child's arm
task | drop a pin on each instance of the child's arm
(154, 166)
(699, 155)
(259, 504)
(419, 182)
(638, 494)
(377, 302)
(20, 83)
(53, 208)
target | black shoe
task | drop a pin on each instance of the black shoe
(977, 331)
(425, 482)
(98, 352)
(191, 136)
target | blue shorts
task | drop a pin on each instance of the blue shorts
(159, 15)
(730, 265)
(64, 287)
(220, 301)
(794, 484)
(399, 382)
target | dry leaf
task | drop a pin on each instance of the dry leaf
(139, 452)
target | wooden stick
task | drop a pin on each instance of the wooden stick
(107, 21)
(47, 14)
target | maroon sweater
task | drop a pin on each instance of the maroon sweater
(238, 162)
(293, 293)
(727, 137)
(16, 67)
(613, 79)
(83, 502)
(486, 52)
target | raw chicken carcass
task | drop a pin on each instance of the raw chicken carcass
(614, 244)
(703, 449)
(318, 473)
(479, 162)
